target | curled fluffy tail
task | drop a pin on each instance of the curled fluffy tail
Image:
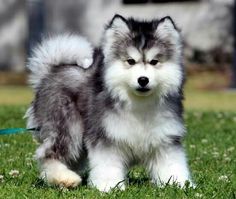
(62, 49)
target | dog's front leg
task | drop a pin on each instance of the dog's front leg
(169, 166)
(107, 168)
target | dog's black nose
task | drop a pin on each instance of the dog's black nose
(143, 81)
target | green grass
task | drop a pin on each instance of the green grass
(210, 145)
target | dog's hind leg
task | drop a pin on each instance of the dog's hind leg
(54, 156)
(60, 136)
(58, 70)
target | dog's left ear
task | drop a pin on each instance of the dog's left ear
(118, 24)
(167, 28)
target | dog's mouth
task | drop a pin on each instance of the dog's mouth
(143, 89)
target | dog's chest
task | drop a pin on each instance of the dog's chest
(141, 132)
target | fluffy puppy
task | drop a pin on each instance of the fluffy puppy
(115, 106)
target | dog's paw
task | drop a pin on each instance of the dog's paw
(56, 173)
(65, 179)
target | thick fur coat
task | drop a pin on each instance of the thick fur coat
(115, 106)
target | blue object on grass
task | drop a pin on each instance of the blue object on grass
(16, 130)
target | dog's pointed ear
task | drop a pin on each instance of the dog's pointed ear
(167, 28)
(118, 24)
(116, 29)
(167, 22)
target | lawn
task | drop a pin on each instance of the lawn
(210, 145)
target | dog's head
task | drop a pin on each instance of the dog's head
(142, 58)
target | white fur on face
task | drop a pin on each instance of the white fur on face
(164, 78)
(169, 77)
(134, 54)
(151, 54)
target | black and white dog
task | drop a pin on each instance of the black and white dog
(114, 106)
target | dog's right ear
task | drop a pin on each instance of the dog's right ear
(115, 30)
(118, 24)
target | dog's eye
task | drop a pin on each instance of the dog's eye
(131, 61)
(153, 62)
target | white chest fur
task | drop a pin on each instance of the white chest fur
(144, 131)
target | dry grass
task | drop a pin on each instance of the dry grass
(15, 95)
(209, 91)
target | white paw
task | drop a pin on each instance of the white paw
(66, 178)
(56, 173)
(107, 185)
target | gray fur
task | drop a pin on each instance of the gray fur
(69, 96)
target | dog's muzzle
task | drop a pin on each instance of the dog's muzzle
(143, 84)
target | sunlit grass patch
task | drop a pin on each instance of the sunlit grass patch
(210, 146)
